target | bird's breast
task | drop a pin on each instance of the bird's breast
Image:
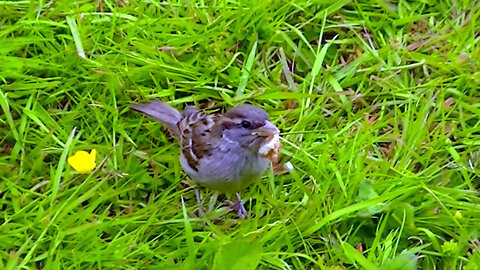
(228, 169)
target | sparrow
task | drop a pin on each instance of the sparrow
(223, 152)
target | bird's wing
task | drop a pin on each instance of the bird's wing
(198, 137)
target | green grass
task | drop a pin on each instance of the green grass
(377, 101)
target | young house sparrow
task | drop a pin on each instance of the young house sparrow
(224, 152)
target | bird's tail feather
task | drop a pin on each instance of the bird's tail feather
(162, 112)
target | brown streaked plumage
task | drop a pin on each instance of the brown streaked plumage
(225, 152)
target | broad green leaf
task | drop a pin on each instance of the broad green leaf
(238, 255)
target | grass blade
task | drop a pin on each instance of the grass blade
(61, 166)
(76, 36)
(246, 71)
(6, 111)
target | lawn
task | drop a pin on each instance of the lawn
(378, 104)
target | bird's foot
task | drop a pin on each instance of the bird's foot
(238, 207)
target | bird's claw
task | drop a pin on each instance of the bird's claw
(238, 207)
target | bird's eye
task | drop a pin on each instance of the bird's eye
(246, 124)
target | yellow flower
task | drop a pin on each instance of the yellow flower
(458, 214)
(83, 162)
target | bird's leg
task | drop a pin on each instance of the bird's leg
(238, 206)
(242, 212)
(197, 195)
(199, 200)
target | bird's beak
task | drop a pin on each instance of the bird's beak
(267, 130)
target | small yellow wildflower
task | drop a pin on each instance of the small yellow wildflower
(82, 161)
(458, 214)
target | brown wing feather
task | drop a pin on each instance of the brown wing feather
(196, 137)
